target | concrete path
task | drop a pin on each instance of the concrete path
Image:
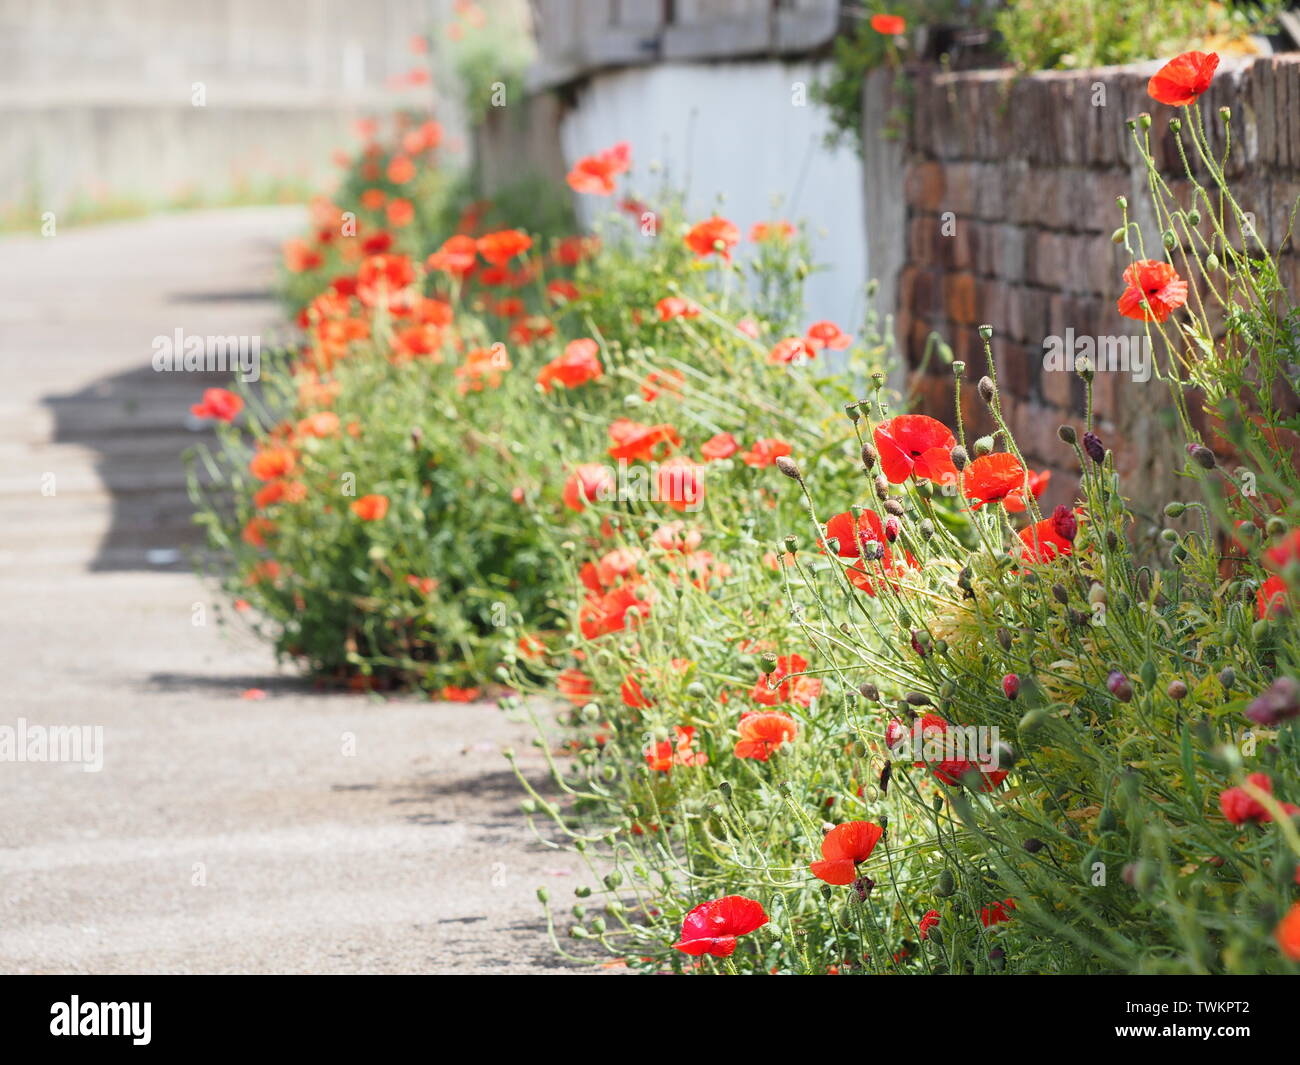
(221, 835)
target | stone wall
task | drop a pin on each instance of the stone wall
(1025, 173)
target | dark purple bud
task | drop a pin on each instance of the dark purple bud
(1066, 523)
(892, 528)
(1279, 702)
(1093, 446)
(1011, 685)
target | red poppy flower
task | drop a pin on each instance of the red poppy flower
(528, 330)
(827, 335)
(579, 364)
(1270, 600)
(679, 482)
(1042, 541)
(761, 734)
(761, 232)
(612, 611)
(634, 696)
(400, 213)
(500, 247)
(370, 508)
(915, 444)
(997, 912)
(280, 492)
(575, 686)
(780, 687)
(928, 921)
(257, 530)
(562, 291)
(218, 403)
(1240, 807)
(320, 425)
(377, 243)
(851, 538)
(633, 440)
(991, 478)
(452, 694)
(722, 446)
(594, 174)
(1014, 500)
(843, 849)
(950, 770)
(712, 927)
(589, 483)
(1182, 80)
(382, 277)
(889, 25)
(457, 256)
(272, 463)
(662, 756)
(1154, 291)
(299, 256)
(1287, 933)
(764, 453)
(791, 349)
(671, 307)
(662, 382)
(713, 236)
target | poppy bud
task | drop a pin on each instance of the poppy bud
(1005, 756)
(1212, 262)
(1276, 527)
(1228, 678)
(1277, 703)
(1011, 685)
(960, 458)
(1060, 594)
(869, 691)
(1175, 509)
(869, 457)
(863, 885)
(1119, 686)
(926, 529)
(918, 699)
(1118, 236)
(1202, 456)
(1091, 444)
(882, 487)
(826, 891)
(895, 733)
(1176, 690)
(892, 528)
(1106, 820)
(725, 788)
(945, 885)
(894, 507)
(1033, 846)
(920, 643)
(1194, 217)
(543, 896)
(1144, 120)
(789, 467)
(984, 446)
(1066, 434)
(1065, 523)
(582, 891)
(986, 389)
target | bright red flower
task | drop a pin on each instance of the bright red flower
(634, 696)
(928, 921)
(763, 733)
(1182, 80)
(579, 364)
(843, 849)
(589, 483)
(827, 335)
(764, 453)
(712, 927)
(370, 508)
(1014, 500)
(991, 478)
(575, 686)
(1287, 933)
(851, 539)
(889, 25)
(791, 349)
(320, 425)
(1154, 291)
(633, 440)
(594, 174)
(722, 446)
(500, 247)
(562, 291)
(383, 277)
(713, 236)
(950, 770)
(777, 687)
(457, 256)
(452, 694)
(1240, 807)
(218, 403)
(1270, 600)
(997, 912)
(662, 756)
(1042, 542)
(613, 611)
(671, 307)
(257, 530)
(271, 463)
(679, 482)
(915, 444)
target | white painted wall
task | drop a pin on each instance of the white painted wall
(732, 129)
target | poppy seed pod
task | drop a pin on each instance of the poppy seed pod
(1011, 685)
(1118, 685)
(1228, 678)
(869, 457)
(986, 332)
(855, 415)
(984, 446)
(789, 467)
(986, 389)
(1004, 637)
(894, 507)
(959, 458)
(1093, 446)
(1176, 690)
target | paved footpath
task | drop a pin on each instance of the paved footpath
(221, 835)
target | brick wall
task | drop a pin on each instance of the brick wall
(1029, 169)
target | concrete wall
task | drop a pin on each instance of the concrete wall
(96, 94)
(1027, 170)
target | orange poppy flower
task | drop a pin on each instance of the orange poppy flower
(500, 247)
(594, 174)
(1182, 80)
(1287, 933)
(761, 232)
(280, 492)
(1154, 291)
(915, 444)
(991, 478)
(889, 25)
(791, 349)
(257, 530)
(721, 446)
(844, 848)
(633, 440)
(321, 424)
(456, 256)
(370, 508)
(588, 483)
(827, 335)
(575, 686)
(763, 733)
(671, 307)
(579, 364)
(662, 756)
(679, 482)
(219, 404)
(1014, 501)
(1042, 541)
(381, 277)
(662, 382)
(764, 453)
(271, 463)
(452, 694)
(713, 236)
